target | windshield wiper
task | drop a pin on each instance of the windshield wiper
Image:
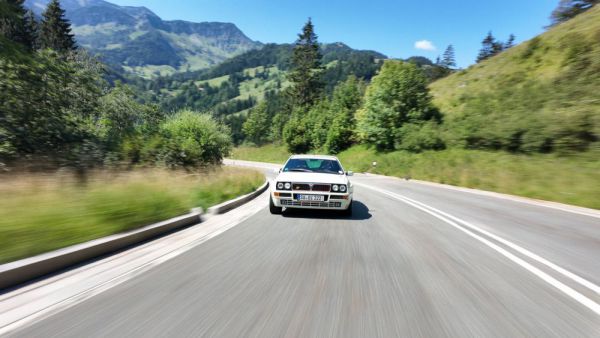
(302, 170)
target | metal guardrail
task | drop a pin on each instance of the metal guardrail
(28, 269)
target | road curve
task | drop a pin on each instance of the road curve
(414, 260)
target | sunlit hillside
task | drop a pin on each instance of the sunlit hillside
(541, 95)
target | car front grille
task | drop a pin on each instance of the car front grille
(293, 203)
(321, 187)
(311, 187)
(303, 187)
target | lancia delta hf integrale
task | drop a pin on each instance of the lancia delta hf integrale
(312, 182)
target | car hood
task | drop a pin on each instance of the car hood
(312, 178)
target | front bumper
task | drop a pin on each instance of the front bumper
(332, 201)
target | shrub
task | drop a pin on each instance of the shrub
(296, 135)
(420, 137)
(190, 139)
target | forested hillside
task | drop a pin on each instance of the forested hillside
(231, 88)
(524, 120)
(538, 97)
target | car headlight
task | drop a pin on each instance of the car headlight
(280, 186)
(288, 186)
(343, 188)
(335, 188)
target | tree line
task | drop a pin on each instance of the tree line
(394, 110)
(58, 109)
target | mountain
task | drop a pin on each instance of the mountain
(541, 95)
(141, 42)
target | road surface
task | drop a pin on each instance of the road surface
(415, 260)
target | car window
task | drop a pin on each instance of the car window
(314, 165)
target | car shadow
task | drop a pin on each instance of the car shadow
(359, 212)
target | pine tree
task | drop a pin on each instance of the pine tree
(489, 45)
(510, 43)
(449, 60)
(306, 72)
(55, 32)
(497, 47)
(32, 28)
(13, 22)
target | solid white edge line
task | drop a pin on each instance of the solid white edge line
(574, 209)
(593, 287)
(590, 304)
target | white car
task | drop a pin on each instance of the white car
(312, 182)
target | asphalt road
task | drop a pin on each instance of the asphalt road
(414, 260)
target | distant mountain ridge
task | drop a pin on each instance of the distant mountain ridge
(138, 40)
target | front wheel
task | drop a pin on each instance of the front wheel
(273, 209)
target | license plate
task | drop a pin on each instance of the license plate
(311, 198)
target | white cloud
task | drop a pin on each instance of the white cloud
(425, 45)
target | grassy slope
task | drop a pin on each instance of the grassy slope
(257, 87)
(39, 213)
(572, 180)
(554, 76)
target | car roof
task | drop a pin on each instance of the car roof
(316, 157)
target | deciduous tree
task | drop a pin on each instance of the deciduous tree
(397, 96)
(257, 127)
(347, 99)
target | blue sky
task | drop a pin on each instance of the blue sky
(390, 27)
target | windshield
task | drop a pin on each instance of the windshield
(314, 165)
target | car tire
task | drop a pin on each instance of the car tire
(273, 209)
(348, 212)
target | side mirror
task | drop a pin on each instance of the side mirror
(350, 173)
(277, 170)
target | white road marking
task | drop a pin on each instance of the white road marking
(453, 221)
(519, 199)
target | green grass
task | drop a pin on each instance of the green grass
(214, 82)
(40, 213)
(544, 88)
(270, 153)
(151, 71)
(572, 179)
(257, 87)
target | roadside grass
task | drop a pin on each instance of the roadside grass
(270, 153)
(570, 179)
(44, 212)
